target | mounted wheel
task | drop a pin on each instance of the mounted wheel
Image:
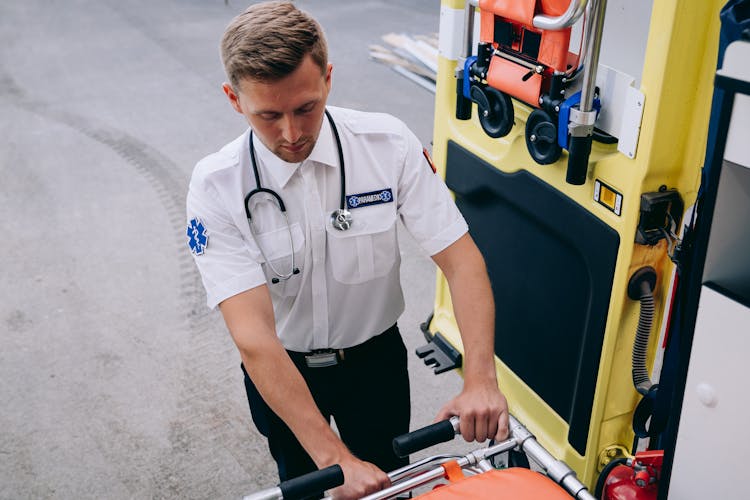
(495, 110)
(541, 138)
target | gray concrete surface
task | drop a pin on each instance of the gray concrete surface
(115, 379)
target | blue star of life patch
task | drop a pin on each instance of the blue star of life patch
(197, 236)
(371, 198)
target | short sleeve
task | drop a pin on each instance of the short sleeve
(425, 204)
(221, 254)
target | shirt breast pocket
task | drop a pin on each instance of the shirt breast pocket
(368, 249)
(276, 258)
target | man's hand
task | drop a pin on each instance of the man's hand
(482, 410)
(360, 479)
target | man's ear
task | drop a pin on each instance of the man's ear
(234, 99)
(329, 71)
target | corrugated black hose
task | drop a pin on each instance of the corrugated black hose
(641, 378)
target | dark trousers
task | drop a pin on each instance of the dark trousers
(367, 393)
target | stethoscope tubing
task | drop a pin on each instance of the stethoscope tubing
(262, 190)
(341, 213)
(342, 198)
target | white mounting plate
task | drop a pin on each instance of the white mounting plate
(630, 127)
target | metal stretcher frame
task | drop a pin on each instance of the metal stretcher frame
(559, 482)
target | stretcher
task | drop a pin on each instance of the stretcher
(453, 476)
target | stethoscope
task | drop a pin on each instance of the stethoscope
(340, 219)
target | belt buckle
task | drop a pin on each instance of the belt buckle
(322, 358)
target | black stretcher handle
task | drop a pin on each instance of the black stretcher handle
(425, 437)
(312, 483)
(579, 150)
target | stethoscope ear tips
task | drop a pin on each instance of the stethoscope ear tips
(295, 270)
(274, 280)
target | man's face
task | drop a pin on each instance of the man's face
(285, 115)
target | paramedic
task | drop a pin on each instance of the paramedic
(305, 270)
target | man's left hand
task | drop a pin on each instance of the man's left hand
(482, 410)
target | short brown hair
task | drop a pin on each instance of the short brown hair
(269, 41)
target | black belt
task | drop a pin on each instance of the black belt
(322, 358)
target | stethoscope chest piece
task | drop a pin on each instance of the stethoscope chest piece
(341, 219)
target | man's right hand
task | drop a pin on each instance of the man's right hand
(360, 479)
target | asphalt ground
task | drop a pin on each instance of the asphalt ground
(116, 381)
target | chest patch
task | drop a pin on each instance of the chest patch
(371, 198)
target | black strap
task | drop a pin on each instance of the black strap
(643, 412)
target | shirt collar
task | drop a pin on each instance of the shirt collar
(324, 152)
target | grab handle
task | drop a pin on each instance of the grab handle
(313, 483)
(567, 19)
(581, 126)
(307, 485)
(579, 150)
(425, 437)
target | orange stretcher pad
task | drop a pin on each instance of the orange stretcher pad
(516, 483)
(552, 52)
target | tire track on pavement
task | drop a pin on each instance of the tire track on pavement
(214, 423)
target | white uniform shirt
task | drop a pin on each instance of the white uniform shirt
(348, 289)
